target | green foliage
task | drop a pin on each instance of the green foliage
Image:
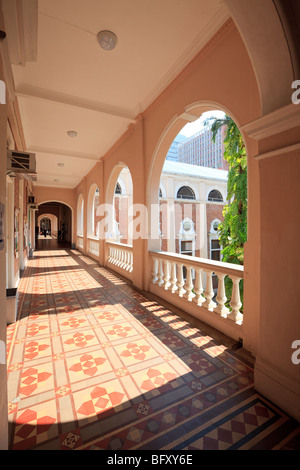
(233, 229)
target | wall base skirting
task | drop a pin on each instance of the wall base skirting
(278, 387)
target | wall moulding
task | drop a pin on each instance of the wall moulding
(273, 123)
(281, 151)
(269, 382)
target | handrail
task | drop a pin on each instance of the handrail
(168, 274)
(111, 242)
(93, 245)
(227, 268)
(120, 255)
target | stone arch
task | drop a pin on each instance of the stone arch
(54, 222)
(269, 35)
(71, 210)
(118, 208)
(168, 134)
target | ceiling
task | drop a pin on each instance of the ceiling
(64, 81)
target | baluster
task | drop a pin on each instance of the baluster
(160, 273)
(221, 297)
(131, 261)
(180, 281)
(209, 292)
(122, 261)
(173, 279)
(189, 284)
(166, 277)
(155, 270)
(198, 299)
(235, 302)
(124, 254)
(127, 260)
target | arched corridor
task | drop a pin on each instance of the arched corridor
(55, 220)
(94, 364)
(118, 326)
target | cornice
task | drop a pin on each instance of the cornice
(276, 152)
(273, 123)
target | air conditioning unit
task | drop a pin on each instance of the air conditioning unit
(21, 162)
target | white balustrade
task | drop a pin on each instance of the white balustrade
(198, 288)
(93, 246)
(189, 284)
(235, 302)
(80, 242)
(120, 256)
(209, 292)
(167, 273)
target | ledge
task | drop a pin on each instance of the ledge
(271, 124)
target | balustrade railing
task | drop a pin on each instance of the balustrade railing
(197, 285)
(120, 256)
(93, 246)
(79, 242)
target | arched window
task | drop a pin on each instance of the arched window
(185, 193)
(118, 189)
(215, 196)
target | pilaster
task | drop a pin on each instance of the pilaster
(276, 375)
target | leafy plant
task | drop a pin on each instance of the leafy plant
(233, 229)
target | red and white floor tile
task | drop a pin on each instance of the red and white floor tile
(92, 364)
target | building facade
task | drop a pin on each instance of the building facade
(199, 149)
(173, 150)
(189, 216)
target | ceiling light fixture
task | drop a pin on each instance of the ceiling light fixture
(107, 40)
(72, 133)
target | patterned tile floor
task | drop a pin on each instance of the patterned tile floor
(93, 364)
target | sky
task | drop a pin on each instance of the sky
(193, 127)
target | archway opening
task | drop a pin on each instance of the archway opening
(194, 181)
(203, 181)
(54, 219)
(47, 226)
(92, 205)
(120, 199)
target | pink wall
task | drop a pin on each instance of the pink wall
(214, 81)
